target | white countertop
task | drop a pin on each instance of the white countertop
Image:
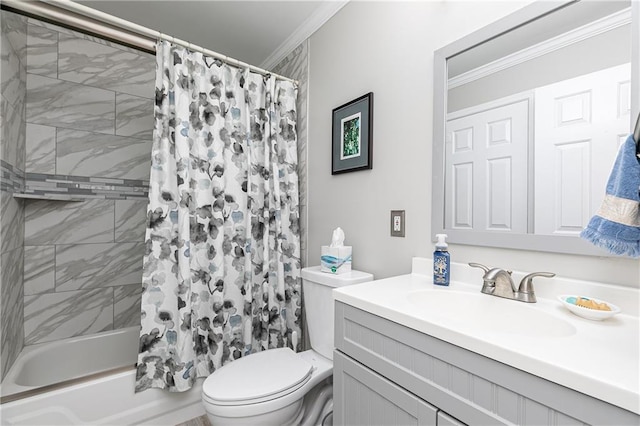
(600, 359)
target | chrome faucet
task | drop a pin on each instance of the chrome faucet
(498, 282)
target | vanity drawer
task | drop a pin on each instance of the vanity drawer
(474, 389)
(362, 397)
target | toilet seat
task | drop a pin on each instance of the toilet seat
(256, 378)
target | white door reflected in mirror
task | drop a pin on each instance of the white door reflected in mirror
(532, 120)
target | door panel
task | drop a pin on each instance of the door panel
(579, 126)
(486, 156)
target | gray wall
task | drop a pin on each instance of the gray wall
(89, 114)
(13, 39)
(387, 48)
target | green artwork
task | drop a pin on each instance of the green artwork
(351, 137)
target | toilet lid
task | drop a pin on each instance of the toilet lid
(260, 376)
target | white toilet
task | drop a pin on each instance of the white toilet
(269, 387)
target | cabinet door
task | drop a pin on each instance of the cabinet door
(446, 420)
(362, 397)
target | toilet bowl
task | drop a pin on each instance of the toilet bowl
(273, 387)
(266, 388)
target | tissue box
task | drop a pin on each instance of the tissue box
(335, 260)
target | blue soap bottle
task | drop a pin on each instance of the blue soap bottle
(441, 261)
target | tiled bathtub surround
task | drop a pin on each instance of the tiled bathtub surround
(48, 315)
(41, 146)
(42, 50)
(56, 102)
(13, 38)
(130, 220)
(89, 114)
(126, 306)
(48, 222)
(83, 266)
(84, 61)
(88, 249)
(120, 157)
(13, 79)
(296, 66)
(12, 306)
(39, 269)
(74, 289)
(132, 116)
(12, 130)
(11, 222)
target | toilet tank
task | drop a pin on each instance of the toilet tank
(318, 304)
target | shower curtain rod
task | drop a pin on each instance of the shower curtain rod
(74, 15)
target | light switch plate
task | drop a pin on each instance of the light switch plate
(397, 223)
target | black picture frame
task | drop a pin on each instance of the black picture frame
(352, 135)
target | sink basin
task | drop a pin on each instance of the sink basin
(492, 314)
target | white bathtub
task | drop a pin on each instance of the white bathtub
(104, 399)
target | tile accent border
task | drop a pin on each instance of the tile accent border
(11, 178)
(86, 187)
(16, 181)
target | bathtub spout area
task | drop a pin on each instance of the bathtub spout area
(66, 360)
(109, 401)
(89, 380)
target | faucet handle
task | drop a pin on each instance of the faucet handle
(481, 266)
(526, 285)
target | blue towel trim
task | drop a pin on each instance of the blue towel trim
(624, 182)
(334, 261)
(614, 237)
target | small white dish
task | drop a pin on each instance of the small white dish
(591, 314)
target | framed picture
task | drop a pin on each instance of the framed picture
(352, 129)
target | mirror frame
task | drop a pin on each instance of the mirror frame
(547, 243)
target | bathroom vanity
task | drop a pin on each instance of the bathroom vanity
(409, 352)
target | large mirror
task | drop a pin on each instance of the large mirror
(529, 114)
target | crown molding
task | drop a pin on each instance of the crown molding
(584, 32)
(322, 14)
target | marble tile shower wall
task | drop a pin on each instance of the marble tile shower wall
(89, 123)
(296, 66)
(13, 39)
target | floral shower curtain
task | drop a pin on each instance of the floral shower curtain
(222, 265)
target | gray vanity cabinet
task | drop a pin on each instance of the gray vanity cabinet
(389, 374)
(446, 420)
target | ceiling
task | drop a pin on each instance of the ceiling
(260, 33)
(566, 18)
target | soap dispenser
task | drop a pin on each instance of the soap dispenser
(441, 261)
